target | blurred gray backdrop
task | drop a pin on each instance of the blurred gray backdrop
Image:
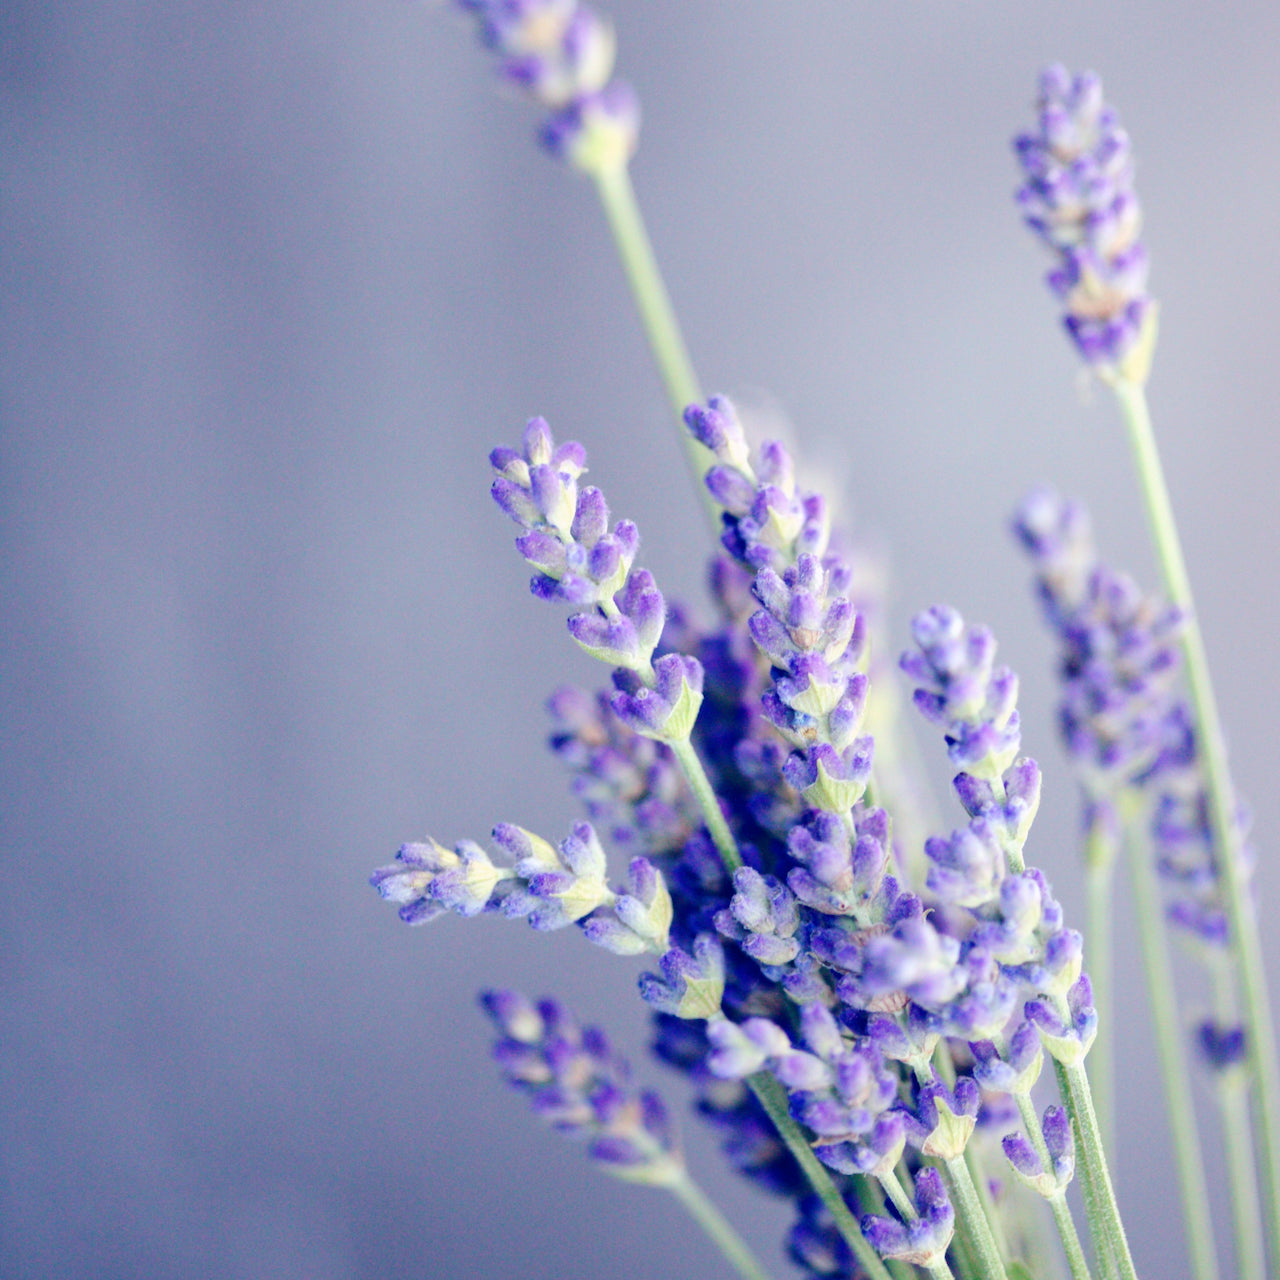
(275, 277)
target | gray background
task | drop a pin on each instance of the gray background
(275, 277)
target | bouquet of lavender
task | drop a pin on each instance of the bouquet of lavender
(901, 1034)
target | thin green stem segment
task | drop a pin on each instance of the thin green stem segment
(772, 1098)
(972, 1219)
(1061, 1210)
(718, 1229)
(696, 776)
(657, 315)
(1260, 1033)
(1173, 1061)
(1104, 1216)
(1233, 1098)
(1100, 860)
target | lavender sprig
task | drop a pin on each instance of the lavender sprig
(560, 54)
(1126, 371)
(1128, 734)
(578, 1083)
(1018, 936)
(1078, 197)
(621, 612)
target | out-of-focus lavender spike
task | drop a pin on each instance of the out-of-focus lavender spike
(630, 786)
(1078, 197)
(560, 54)
(578, 1084)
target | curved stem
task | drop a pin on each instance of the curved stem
(718, 1228)
(1260, 1036)
(1173, 1059)
(773, 1099)
(696, 776)
(657, 315)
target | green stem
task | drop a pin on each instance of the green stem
(1100, 860)
(1173, 1061)
(773, 1099)
(1260, 1034)
(718, 1228)
(696, 776)
(1233, 1098)
(1104, 1218)
(657, 315)
(1070, 1240)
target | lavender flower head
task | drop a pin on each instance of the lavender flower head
(578, 1084)
(560, 53)
(1078, 197)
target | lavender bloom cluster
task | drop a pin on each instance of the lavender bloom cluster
(817, 930)
(860, 1020)
(560, 54)
(1078, 197)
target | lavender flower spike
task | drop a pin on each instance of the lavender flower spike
(560, 54)
(1078, 197)
(579, 1085)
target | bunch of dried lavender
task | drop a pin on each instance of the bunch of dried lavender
(863, 1022)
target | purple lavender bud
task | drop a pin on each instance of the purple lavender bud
(575, 1081)
(691, 986)
(1067, 1038)
(668, 709)
(642, 604)
(1058, 1138)
(717, 428)
(831, 780)
(1018, 1070)
(739, 1051)
(802, 1072)
(967, 868)
(816, 1245)
(1022, 1156)
(821, 1032)
(595, 131)
(1223, 1047)
(944, 1119)
(923, 1242)
(611, 640)
(591, 518)
(731, 489)
(915, 959)
(515, 1015)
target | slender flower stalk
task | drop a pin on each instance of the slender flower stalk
(859, 1016)
(1260, 1034)
(1080, 200)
